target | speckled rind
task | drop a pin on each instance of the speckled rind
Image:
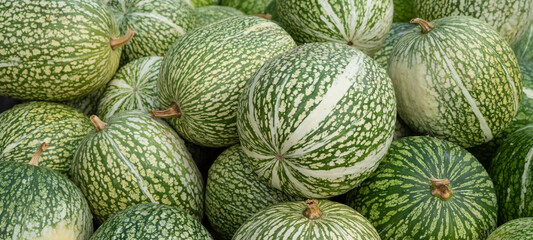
(55, 50)
(151, 221)
(38, 203)
(136, 159)
(248, 6)
(234, 193)
(460, 82)
(404, 10)
(132, 88)
(327, 110)
(87, 104)
(210, 14)
(205, 72)
(397, 30)
(286, 221)
(398, 202)
(363, 23)
(25, 126)
(518, 229)
(511, 18)
(201, 3)
(512, 172)
(157, 24)
(524, 48)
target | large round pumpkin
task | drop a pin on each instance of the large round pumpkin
(518, 229)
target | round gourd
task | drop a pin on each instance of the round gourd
(157, 25)
(511, 18)
(457, 79)
(25, 126)
(397, 30)
(57, 50)
(132, 88)
(201, 3)
(512, 173)
(524, 48)
(39, 203)
(204, 73)
(151, 221)
(135, 159)
(358, 23)
(210, 14)
(248, 6)
(427, 188)
(87, 104)
(518, 229)
(317, 120)
(311, 219)
(234, 193)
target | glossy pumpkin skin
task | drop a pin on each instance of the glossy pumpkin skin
(73, 58)
(398, 199)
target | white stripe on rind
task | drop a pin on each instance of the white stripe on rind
(523, 191)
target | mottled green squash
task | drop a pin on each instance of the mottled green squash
(248, 6)
(404, 11)
(210, 14)
(524, 48)
(397, 30)
(518, 229)
(201, 3)
(87, 104)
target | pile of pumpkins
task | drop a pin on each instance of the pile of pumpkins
(275, 119)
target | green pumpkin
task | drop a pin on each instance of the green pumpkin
(518, 229)
(135, 159)
(39, 203)
(524, 48)
(87, 104)
(210, 14)
(57, 50)
(404, 11)
(397, 30)
(248, 6)
(234, 193)
(457, 79)
(201, 3)
(151, 221)
(25, 126)
(427, 188)
(311, 219)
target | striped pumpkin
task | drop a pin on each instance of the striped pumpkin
(157, 24)
(248, 6)
(311, 219)
(25, 126)
(234, 193)
(358, 23)
(151, 221)
(38, 203)
(132, 88)
(204, 73)
(317, 120)
(524, 48)
(397, 30)
(135, 159)
(511, 18)
(57, 50)
(512, 172)
(87, 104)
(456, 79)
(403, 10)
(210, 14)
(427, 188)
(518, 229)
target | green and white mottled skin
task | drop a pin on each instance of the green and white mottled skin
(518, 229)
(206, 70)
(511, 18)
(397, 30)
(248, 6)
(55, 50)
(404, 10)
(136, 159)
(359, 23)
(87, 104)
(397, 198)
(512, 173)
(157, 24)
(201, 3)
(25, 126)
(234, 193)
(132, 88)
(317, 120)
(151, 221)
(460, 81)
(524, 48)
(287, 221)
(37, 203)
(210, 14)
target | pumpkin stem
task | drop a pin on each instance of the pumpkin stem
(265, 16)
(118, 42)
(441, 188)
(35, 159)
(425, 25)
(172, 111)
(312, 211)
(99, 125)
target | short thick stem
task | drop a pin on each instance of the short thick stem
(37, 156)
(171, 112)
(425, 25)
(121, 41)
(312, 211)
(441, 188)
(265, 16)
(99, 125)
